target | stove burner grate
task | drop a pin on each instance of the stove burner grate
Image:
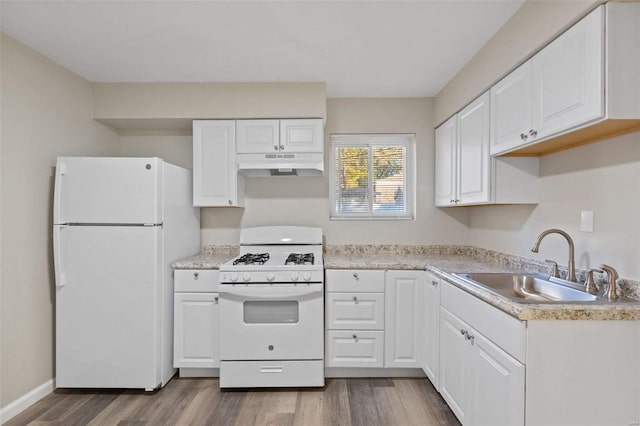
(252, 259)
(299, 259)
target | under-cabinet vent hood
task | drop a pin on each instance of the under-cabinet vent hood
(300, 164)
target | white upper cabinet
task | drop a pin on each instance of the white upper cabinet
(560, 88)
(301, 135)
(280, 136)
(473, 161)
(445, 159)
(580, 88)
(465, 172)
(258, 136)
(511, 103)
(216, 182)
(568, 78)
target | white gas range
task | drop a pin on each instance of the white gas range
(272, 309)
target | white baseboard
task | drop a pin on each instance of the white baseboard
(199, 372)
(16, 407)
(342, 372)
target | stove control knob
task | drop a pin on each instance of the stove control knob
(270, 276)
(306, 276)
(294, 276)
(246, 276)
(234, 277)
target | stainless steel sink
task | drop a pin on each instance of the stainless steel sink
(528, 288)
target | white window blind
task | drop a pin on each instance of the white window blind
(372, 176)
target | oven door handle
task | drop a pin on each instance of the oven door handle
(268, 293)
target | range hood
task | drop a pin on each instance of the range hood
(299, 164)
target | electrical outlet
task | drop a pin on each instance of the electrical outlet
(586, 221)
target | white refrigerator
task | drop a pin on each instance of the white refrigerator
(118, 225)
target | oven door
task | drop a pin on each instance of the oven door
(271, 321)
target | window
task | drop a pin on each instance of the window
(371, 176)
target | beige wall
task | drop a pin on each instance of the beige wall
(45, 112)
(174, 105)
(305, 201)
(603, 177)
(532, 26)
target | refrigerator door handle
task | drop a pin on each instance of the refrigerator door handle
(59, 275)
(61, 170)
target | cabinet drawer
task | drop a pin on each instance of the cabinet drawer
(355, 311)
(355, 348)
(503, 330)
(351, 280)
(245, 374)
(196, 280)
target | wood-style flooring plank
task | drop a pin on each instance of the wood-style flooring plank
(122, 409)
(200, 409)
(342, 402)
(92, 407)
(310, 408)
(227, 409)
(336, 406)
(361, 403)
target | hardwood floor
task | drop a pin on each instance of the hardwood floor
(183, 401)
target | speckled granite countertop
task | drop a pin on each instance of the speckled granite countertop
(211, 258)
(445, 260)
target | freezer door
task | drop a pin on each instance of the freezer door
(108, 315)
(107, 190)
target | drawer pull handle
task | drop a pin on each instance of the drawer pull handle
(463, 331)
(355, 299)
(271, 369)
(196, 275)
(216, 299)
(435, 283)
(355, 337)
(356, 276)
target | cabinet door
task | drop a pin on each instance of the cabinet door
(445, 162)
(258, 136)
(195, 342)
(568, 78)
(511, 100)
(473, 160)
(215, 178)
(355, 348)
(301, 135)
(403, 318)
(431, 331)
(498, 385)
(455, 370)
(355, 311)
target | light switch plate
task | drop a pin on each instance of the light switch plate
(586, 221)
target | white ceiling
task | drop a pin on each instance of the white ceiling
(359, 48)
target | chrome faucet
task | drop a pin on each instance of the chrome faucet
(612, 275)
(571, 276)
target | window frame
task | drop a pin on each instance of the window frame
(370, 141)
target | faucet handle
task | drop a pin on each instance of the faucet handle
(554, 271)
(613, 276)
(590, 283)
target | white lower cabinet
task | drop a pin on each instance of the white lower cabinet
(431, 328)
(354, 318)
(355, 348)
(403, 320)
(196, 321)
(374, 318)
(482, 384)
